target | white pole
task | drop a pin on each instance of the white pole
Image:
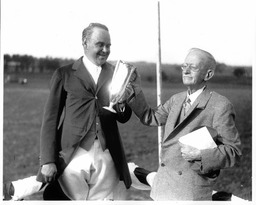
(159, 79)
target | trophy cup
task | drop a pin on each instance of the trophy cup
(120, 79)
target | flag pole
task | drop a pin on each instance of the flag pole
(159, 78)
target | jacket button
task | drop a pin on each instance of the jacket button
(180, 172)
(162, 164)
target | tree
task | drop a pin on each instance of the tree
(26, 62)
(239, 72)
(48, 64)
(220, 67)
(164, 76)
(7, 59)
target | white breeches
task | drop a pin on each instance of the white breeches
(91, 175)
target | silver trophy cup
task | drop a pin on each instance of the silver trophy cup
(120, 79)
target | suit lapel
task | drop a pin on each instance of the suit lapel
(176, 109)
(105, 74)
(200, 103)
(83, 74)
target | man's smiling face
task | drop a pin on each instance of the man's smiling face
(97, 48)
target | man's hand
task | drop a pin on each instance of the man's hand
(49, 171)
(135, 78)
(121, 106)
(127, 93)
(190, 153)
(132, 87)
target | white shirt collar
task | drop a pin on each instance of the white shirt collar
(93, 69)
(194, 95)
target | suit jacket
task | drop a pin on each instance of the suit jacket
(176, 178)
(70, 111)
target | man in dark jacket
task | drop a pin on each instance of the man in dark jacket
(80, 145)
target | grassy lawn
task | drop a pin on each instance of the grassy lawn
(23, 110)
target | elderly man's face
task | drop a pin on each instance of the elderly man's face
(194, 70)
(97, 48)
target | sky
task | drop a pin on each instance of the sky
(225, 28)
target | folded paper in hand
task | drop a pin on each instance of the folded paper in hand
(201, 138)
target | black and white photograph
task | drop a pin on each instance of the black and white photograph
(118, 101)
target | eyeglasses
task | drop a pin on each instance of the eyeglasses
(191, 67)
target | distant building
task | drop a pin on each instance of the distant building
(12, 67)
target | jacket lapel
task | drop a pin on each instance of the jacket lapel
(83, 74)
(105, 74)
(200, 103)
(177, 107)
(175, 113)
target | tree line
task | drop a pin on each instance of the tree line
(29, 64)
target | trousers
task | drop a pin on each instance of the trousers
(90, 175)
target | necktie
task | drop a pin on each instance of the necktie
(187, 105)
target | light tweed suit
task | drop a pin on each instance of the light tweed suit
(176, 178)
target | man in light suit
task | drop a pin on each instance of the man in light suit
(187, 173)
(80, 145)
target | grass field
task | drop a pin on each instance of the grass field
(23, 110)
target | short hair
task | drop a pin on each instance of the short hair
(210, 61)
(87, 32)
